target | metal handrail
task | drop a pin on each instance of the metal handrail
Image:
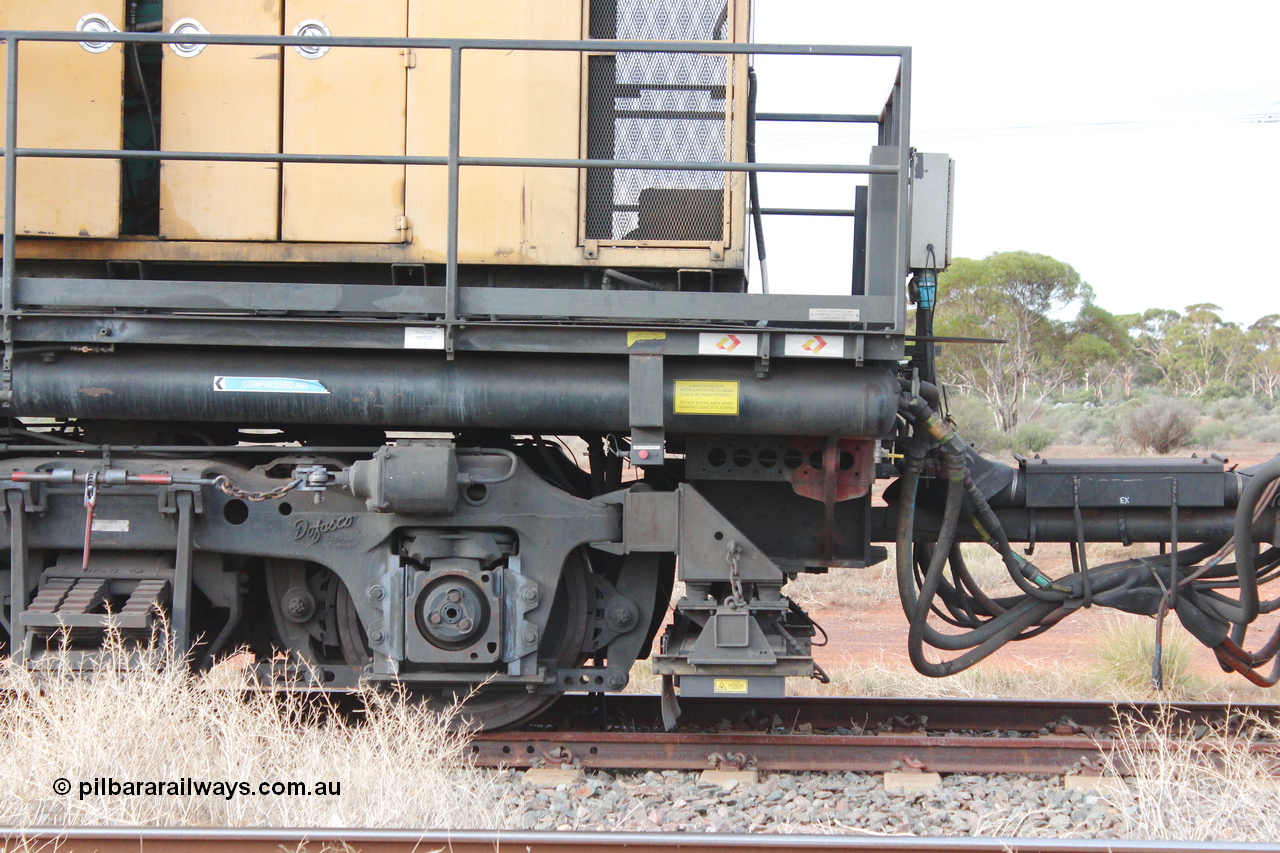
(895, 117)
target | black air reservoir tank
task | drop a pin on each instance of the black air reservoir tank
(414, 390)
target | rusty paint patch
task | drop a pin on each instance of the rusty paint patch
(96, 392)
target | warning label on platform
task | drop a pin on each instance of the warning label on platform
(730, 685)
(705, 397)
(632, 337)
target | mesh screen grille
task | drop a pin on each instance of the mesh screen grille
(656, 106)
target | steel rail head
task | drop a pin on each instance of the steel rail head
(251, 840)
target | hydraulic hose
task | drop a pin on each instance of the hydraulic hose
(1245, 544)
(992, 634)
(983, 641)
(1024, 573)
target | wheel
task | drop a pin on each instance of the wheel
(322, 627)
(491, 708)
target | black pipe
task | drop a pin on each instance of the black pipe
(1100, 525)
(552, 394)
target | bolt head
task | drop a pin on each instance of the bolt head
(377, 636)
(620, 616)
(616, 681)
(454, 597)
(464, 625)
(434, 618)
(531, 636)
(377, 592)
(530, 594)
(298, 606)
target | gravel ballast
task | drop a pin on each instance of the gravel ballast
(996, 805)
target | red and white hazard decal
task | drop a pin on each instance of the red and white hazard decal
(822, 346)
(728, 343)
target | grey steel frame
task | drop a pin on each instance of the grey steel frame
(881, 313)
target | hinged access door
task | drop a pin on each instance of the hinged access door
(344, 100)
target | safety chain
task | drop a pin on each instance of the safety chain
(736, 600)
(226, 486)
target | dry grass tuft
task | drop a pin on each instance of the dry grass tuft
(989, 680)
(399, 767)
(1179, 794)
(1127, 648)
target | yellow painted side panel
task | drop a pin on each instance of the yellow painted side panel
(514, 104)
(226, 98)
(68, 97)
(348, 101)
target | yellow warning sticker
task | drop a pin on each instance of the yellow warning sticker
(730, 685)
(705, 397)
(632, 337)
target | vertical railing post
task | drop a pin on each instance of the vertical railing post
(10, 215)
(455, 135)
(10, 174)
(902, 107)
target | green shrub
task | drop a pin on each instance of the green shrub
(974, 421)
(1028, 438)
(1211, 435)
(1220, 390)
(1267, 432)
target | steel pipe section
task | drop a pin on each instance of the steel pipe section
(427, 391)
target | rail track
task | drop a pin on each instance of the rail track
(838, 734)
(209, 840)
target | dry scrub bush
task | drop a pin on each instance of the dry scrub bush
(398, 767)
(1160, 427)
(1180, 794)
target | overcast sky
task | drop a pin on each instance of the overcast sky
(1139, 142)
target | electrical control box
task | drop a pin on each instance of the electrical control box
(933, 179)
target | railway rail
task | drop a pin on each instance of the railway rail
(841, 734)
(273, 840)
(200, 840)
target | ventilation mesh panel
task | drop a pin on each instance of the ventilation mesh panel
(656, 106)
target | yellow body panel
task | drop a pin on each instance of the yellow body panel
(226, 98)
(348, 101)
(514, 104)
(68, 97)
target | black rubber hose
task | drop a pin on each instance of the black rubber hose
(1245, 544)
(907, 589)
(997, 633)
(1022, 571)
(966, 578)
(956, 607)
(992, 531)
